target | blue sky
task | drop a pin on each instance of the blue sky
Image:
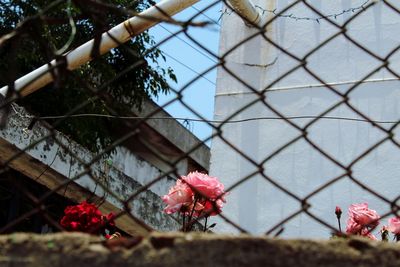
(188, 60)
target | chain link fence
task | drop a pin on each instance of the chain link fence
(108, 143)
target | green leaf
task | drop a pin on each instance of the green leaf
(212, 225)
(37, 41)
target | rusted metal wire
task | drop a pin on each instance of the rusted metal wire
(260, 97)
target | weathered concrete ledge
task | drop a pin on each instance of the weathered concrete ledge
(175, 249)
(50, 164)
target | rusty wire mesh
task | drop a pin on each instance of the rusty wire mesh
(97, 167)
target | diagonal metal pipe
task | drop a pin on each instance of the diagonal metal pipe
(121, 33)
(247, 10)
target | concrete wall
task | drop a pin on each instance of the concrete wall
(257, 205)
(123, 173)
(172, 131)
(192, 250)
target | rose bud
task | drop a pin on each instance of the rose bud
(338, 211)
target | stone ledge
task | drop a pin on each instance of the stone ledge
(176, 249)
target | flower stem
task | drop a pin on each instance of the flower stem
(340, 227)
(205, 224)
(190, 224)
(385, 235)
(183, 223)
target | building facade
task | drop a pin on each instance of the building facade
(58, 163)
(343, 69)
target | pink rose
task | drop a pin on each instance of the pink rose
(205, 185)
(352, 227)
(179, 197)
(196, 210)
(194, 195)
(366, 233)
(361, 216)
(213, 209)
(394, 225)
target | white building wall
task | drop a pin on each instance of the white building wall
(123, 172)
(257, 205)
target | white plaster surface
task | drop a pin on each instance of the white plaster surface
(123, 173)
(258, 205)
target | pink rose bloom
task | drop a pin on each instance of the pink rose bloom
(205, 185)
(363, 215)
(352, 227)
(394, 225)
(213, 209)
(179, 196)
(207, 207)
(366, 233)
(360, 216)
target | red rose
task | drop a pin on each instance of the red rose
(110, 219)
(86, 217)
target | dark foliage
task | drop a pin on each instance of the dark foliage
(40, 28)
